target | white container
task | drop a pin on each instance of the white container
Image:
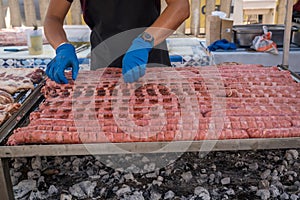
(35, 41)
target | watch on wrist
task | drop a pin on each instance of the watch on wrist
(147, 37)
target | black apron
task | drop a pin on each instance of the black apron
(115, 23)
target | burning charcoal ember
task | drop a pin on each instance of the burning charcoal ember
(165, 182)
(83, 189)
(24, 188)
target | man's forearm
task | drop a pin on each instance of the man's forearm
(54, 32)
(176, 12)
(53, 25)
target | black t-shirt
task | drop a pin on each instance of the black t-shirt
(119, 15)
(108, 18)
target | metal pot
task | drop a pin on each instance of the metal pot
(243, 35)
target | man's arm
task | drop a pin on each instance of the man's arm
(65, 53)
(136, 57)
(54, 20)
(175, 13)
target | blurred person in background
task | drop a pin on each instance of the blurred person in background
(296, 12)
(107, 18)
(296, 7)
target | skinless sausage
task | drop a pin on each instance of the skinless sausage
(258, 102)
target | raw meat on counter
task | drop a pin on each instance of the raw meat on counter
(13, 80)
(190, 103)
(5, 98)
(15, 36)
(7, 106)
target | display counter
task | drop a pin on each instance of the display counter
(252, 57)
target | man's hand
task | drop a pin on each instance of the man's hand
(135, 60)
(65, 57)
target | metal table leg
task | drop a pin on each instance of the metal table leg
(6, 190)
(287, 33)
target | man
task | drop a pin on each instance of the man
(296, 7)
(296, 12)
(108, 18)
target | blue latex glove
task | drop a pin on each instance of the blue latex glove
(135, 60)
(65, 57)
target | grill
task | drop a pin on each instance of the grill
(174, 104)
(282, 126)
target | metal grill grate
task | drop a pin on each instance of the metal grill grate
(225, 102)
